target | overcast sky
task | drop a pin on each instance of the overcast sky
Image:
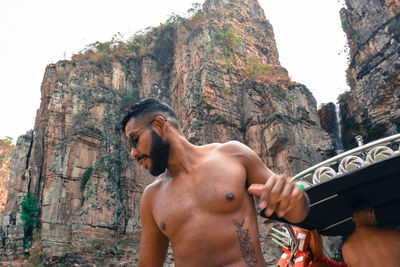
(36, 33)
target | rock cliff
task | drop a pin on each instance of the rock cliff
(327, 115)
(373, 103)
(6, 151)
(219, 69)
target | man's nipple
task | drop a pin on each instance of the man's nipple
(230, 196)
(163, 226)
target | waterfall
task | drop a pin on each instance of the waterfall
(338, 136)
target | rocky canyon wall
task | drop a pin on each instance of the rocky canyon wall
(6, 151)
(372, 106)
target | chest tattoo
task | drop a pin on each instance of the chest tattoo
(163, 226)
(230, 196)
(246, 246)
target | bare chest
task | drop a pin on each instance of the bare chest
(213, 189)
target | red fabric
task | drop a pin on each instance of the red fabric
(325, 262)
(334, 263)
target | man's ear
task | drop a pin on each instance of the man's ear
(160, 124)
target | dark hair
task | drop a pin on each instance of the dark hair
(360, 205)
(151, 106)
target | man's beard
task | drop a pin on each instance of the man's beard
(159, 154)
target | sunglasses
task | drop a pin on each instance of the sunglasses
(131, 139)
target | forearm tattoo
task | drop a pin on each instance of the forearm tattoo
(246, 246)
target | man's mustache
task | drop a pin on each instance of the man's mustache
(142, 157)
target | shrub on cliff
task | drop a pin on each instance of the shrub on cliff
(30, 217)
(85, 178)
(164, 46)
(255, 68)
(344, 97)
(30, 211)
(228, 38)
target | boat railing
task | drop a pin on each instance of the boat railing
(381, 151)
(373, 152)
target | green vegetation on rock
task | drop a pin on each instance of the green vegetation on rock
(85, 177)
(30, 217)
(30, 211)
(255, 68)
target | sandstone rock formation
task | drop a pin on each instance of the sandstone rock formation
(373, 103)
(11, 226)
(6, 151)
(218, 69)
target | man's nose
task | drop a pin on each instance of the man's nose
(134, 153)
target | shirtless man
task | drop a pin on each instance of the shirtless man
(201, 201)
(370, 245)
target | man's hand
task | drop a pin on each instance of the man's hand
(281, 196)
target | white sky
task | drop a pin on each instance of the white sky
(36, 33)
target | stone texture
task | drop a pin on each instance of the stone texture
(222, 102)
(11, 225)
(6, 151)
(373, 31)
(327, 117)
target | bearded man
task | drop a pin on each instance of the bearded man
(202, 199)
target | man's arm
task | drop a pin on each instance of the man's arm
(276, 192)
(153, 243)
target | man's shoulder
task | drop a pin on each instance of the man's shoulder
(368, 230)
(361, 233)
(352, 239)
(228, 147)
(347, 243)
(348, 247)
(153, 187)
(390, 233)
(232, 146)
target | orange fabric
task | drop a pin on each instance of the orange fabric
(304, 238)
(307, 239)
(302, 259)
(284, 258)
(316, 244)
(302, 254)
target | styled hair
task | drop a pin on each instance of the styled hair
(150, 106)
(360, 205)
